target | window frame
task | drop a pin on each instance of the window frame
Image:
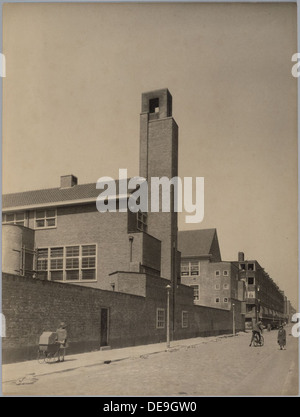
(160, 324)
(252, 278)
(15, 221)
(197, 288)
(142, 219)
(45, 218)
(189, 269)
(184, 319)
(64, 258)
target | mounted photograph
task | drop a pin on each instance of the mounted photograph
(150, 200)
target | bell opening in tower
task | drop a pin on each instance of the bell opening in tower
(154, 105)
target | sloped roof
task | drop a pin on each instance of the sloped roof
(74, 194)
(197, 242)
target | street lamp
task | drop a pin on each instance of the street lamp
(233, 319)
(168, 288)
(258, 304)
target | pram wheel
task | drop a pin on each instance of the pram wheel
(52, 357)
(41, 357)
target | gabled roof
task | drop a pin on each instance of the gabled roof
(52, 196)
(203, 242)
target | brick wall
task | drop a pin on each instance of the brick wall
(32, 306)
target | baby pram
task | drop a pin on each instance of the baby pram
(50, 350)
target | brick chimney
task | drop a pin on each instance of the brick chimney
(68, 181)
(241, 257)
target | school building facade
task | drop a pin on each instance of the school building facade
(108, 275)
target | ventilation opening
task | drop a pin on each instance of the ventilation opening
(154, 105)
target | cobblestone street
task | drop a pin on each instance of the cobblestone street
(216, 366)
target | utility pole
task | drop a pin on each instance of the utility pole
(168, 288)
(233, 319)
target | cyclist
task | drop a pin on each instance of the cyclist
(257, 329)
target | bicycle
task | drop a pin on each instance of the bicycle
(257, 341)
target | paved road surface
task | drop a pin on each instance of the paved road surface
(222, 366)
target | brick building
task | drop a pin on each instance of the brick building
(105, 274)
(215, 282)
(75, 243)
(264, 299)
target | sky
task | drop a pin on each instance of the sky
(72, 99)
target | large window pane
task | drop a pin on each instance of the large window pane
(88, 263)
(56, 263)
(88, 250)
(50, 213)
(88, 274)
(57, 252)
(42, 253)
(40, 214)
(40, 223)
(72, 251)
(72, 263)
(42, 264)
(72, 275)
(56, 275)
(50, 222)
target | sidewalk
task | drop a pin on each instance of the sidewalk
(17, 371)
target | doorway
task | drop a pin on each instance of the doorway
(104, 327)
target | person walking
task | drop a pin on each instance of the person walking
(62, 340)
(281, 337)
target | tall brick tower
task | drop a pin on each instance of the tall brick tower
(159, 158)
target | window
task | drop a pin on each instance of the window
(154, 105)
(88, 261)
(42, 263)
(194, 268)
(243, 267)
(225, 286)
(217, 286)
(72, 263)
(45, 218)
(217, 300)
(69, 263)
(160, 318)
(185, 319)
(225, 300)
(217, 273)
(142, 221)
(185, 268)
(250, 280)
(249, 308)
(56, 264)
(15, 218)
(196, 292)
(225, 273)
(190, 268)
(250, 267)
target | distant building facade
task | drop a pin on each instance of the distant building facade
(264, 299)
(215, 282)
